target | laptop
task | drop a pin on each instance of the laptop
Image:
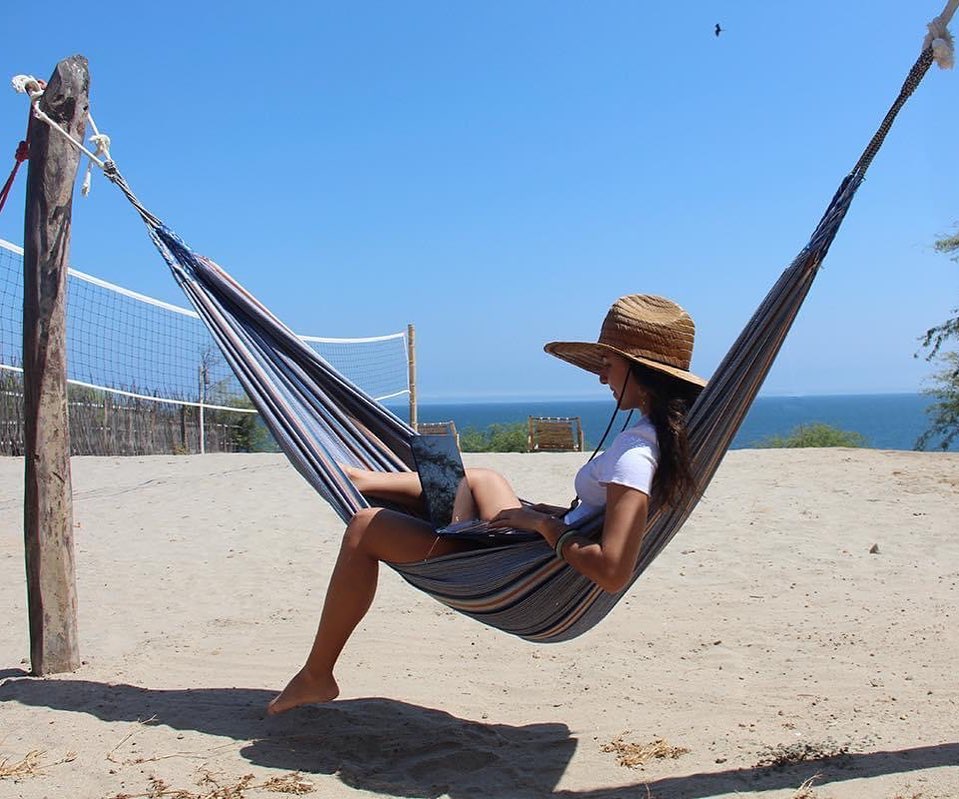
(441, 471)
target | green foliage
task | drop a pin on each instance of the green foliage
(496, 438)
(816, 434)
(79, 394)
(944, 411)
(248, 433)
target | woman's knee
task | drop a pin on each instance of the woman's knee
(358, 527)
(481, 476)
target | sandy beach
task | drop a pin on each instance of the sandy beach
(798, 638)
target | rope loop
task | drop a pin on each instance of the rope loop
(23, 152)
(102, 141)
(938, 39)
(942, 51)
(27, 84)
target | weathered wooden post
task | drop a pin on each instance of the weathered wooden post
(47, 501)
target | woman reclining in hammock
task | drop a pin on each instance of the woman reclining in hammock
(643, 355)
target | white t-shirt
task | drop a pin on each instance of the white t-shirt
(630, 461)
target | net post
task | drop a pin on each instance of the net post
(47, 501)
(203, 378)
(411, 359)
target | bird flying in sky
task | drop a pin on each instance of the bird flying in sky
(718, 29)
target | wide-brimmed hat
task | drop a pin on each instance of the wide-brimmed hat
(643, 328)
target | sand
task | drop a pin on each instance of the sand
(798, 638)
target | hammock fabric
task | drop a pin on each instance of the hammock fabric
(320, 419)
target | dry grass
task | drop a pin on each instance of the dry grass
(634, 755)
(805, 790)
(204, 754)
(212, 786)
(30, 765)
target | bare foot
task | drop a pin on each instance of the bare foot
(304, 689)
(356, 476)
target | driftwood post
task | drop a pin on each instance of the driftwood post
(47, 502)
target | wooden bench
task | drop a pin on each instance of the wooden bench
(555, 434)
(439, 429)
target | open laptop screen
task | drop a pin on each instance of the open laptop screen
(441, 471)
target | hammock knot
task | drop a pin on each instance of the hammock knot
(27, 84)
(23, 152)
(102, 141)
(940, 41)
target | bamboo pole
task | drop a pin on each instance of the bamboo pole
(47, 501)
(411, 358)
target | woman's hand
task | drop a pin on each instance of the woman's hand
(535, 521)
(550, 510)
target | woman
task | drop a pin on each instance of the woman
(643, 355)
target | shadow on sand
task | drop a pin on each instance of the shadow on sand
(399, 749)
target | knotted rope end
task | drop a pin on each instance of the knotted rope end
(943, 51)
(27, 84)
(940, 40)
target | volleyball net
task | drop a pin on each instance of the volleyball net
(136, 347)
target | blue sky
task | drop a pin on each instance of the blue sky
(497, 173)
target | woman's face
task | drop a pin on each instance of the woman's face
(616, 374)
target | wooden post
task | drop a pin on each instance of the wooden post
(202, 425)
(411, 358)
(47, 501)
(183, 439)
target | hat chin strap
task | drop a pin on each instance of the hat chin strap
(619, 405)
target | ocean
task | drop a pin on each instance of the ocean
(886, 421)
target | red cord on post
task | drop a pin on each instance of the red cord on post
(22, 154)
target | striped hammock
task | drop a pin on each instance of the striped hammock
(320, 419)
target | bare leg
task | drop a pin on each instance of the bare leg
(402, 488)
(491, 493)
(374, 534)
(486, 493)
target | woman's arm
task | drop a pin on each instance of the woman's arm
(608, 562)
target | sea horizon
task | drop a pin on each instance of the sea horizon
(473, 399)
(886, 420)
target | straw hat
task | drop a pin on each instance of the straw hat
(643, 328)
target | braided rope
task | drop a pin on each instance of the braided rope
(915, 76)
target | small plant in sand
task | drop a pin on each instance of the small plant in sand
(634, 755)
(805, 790)
(800, 752)
(816, 434)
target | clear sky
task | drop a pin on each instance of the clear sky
(497, 173)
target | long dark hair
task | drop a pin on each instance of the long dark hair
(669, 403)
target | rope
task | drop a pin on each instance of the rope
(27, 84)
(102, 141)
(916, 74)
(20, 156)
(938, 39)
(23, 149)
(937, 46)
